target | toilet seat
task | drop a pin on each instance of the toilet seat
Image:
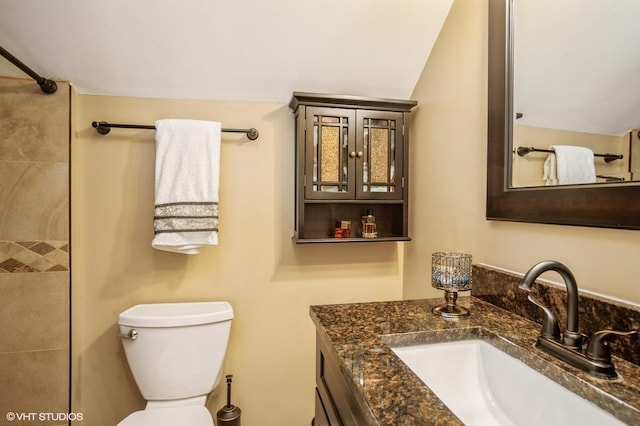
(190, 415)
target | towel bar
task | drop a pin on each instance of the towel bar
(104, 128)
(46, 85)
(524, 150)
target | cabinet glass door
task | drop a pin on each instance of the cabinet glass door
(379, 174)
(329, 172)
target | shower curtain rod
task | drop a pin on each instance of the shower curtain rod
(524, 150)
(46, 85)
(104, 128)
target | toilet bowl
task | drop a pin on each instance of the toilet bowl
(175, 352)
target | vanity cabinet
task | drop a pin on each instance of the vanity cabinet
(351, 157)
(336, 404)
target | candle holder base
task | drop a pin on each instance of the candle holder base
(450, 309)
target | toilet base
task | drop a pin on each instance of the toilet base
(186, 415)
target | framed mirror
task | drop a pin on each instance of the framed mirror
(612, 205)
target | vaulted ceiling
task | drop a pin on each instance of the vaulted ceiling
(580, 71)
(244, 50)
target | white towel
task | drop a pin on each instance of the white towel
(550, 170)
(187, 181)
(574, 164)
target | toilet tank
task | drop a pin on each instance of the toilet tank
(179, 349)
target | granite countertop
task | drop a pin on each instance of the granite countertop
(358, 336)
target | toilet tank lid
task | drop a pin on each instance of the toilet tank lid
(176, 314)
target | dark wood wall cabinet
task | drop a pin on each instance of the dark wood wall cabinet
(351, 159)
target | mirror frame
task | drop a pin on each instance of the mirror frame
(602, 205)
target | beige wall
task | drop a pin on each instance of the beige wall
(448, 180)
(34, 246)
(269, 281)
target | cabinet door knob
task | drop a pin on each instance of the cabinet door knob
(360, 154)
(352, 154)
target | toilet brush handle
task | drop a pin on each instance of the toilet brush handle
(229, 377)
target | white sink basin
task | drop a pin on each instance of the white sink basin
(484, 386)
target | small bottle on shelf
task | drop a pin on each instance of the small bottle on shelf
(369, 225)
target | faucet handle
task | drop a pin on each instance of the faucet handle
(550, 328)
(598, 347)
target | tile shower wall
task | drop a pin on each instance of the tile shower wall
(34, 249)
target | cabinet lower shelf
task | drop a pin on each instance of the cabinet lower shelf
(348, 240)
(321, 219)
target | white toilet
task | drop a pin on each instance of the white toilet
(175, 352)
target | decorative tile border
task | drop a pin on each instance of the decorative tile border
(34, 256)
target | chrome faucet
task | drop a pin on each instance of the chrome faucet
(568, 345)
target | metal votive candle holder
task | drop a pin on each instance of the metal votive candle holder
(451, 272)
